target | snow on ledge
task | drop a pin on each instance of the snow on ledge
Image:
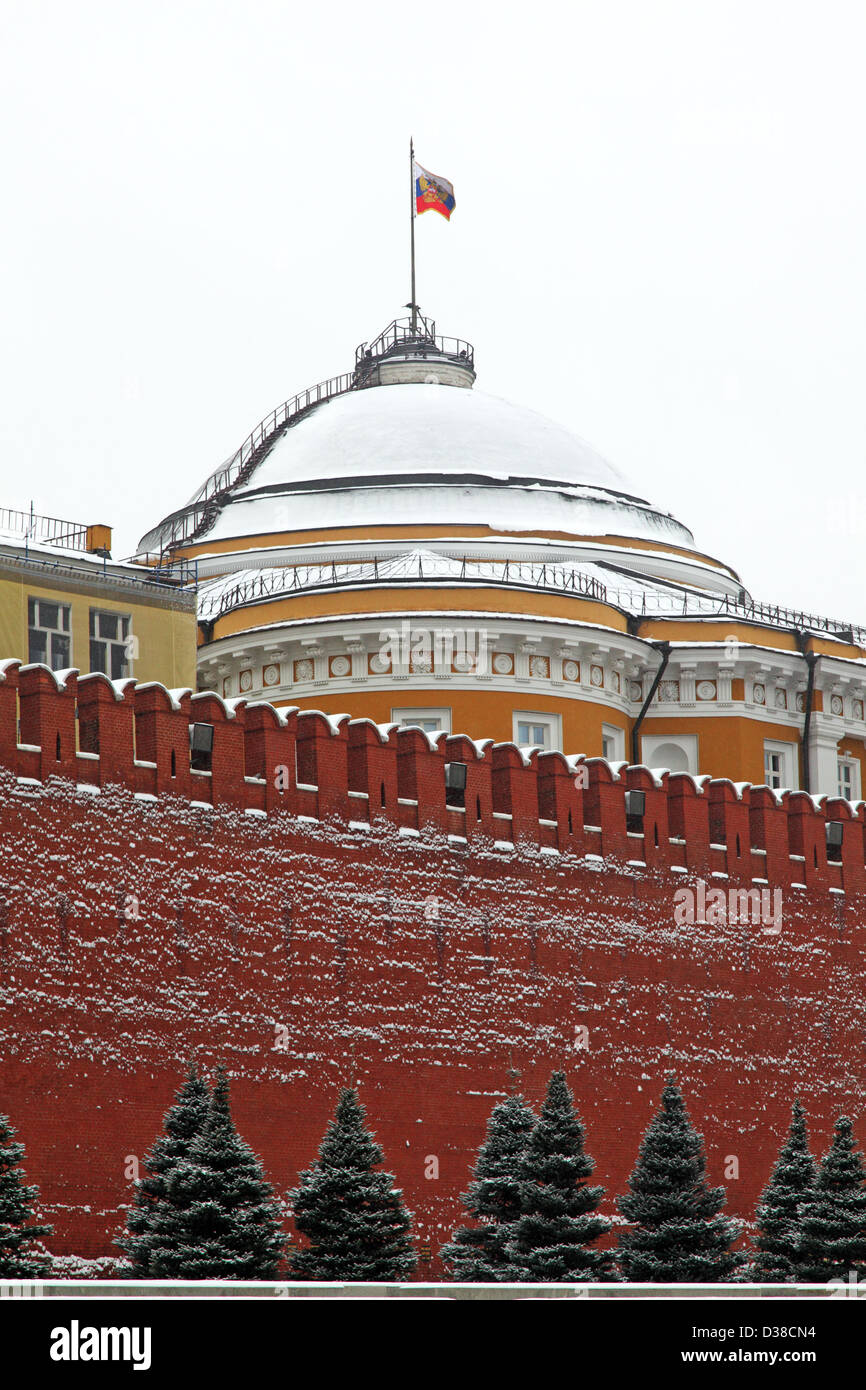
(60, 678)
(174, 697)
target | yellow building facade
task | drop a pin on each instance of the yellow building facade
(65, 604)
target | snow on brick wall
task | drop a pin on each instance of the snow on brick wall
(136, 932)
(311, 913)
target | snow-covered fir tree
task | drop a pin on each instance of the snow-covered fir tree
(220, 1219)
(551, 1240)
(18, 1230)
(677, 1234)
(180, 1125)
(834, 1217)
(477, 1254)
(352, 1215)
(780, 1257)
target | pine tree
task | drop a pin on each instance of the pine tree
(220, 1219)
(834, 1218)
(477, 1254)
(678, 1235)
(18, 1260)
(779, 1257)
(353, 1216)
(550, 1240)
(181, 1124)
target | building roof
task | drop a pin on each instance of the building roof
(410, 452)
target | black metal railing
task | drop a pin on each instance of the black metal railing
(400, 338)
(283, 415)
(653, 604)
(550, 578)
(162, 567)
(194, 520)
(275, 583)
(50, 530)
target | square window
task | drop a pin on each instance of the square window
(531, 730)
(432, 721)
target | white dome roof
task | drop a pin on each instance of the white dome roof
(438, 454)
(432, 429)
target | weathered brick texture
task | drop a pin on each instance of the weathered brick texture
(311, 913)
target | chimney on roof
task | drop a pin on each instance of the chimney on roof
(98, 541)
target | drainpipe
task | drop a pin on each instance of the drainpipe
(664, 650)
(811, 659)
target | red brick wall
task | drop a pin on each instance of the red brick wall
(140, 925)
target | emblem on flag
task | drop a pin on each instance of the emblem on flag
(433, 193)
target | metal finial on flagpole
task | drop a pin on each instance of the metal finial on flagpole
(412, 224)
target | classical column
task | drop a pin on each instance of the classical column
(823, 755)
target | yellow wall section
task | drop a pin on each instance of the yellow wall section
(826, 646)
(166, 636)
(478, 713)
(727, 747)
(705, 630)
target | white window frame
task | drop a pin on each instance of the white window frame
(127, 642)
(63, 631)
(687, 743)
(787, 774)
(617, 735)
(848, 761)
(551, 723)
(412, 716)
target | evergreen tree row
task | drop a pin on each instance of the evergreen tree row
(539, 1219)
(811, 1219)
(204, 1209)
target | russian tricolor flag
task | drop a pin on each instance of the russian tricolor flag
(433, 193)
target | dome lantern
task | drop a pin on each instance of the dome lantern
(413, 353)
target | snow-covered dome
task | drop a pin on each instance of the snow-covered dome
(404, 451)
(436, 453)
(432, 429)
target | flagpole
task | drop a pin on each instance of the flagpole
(412, 224)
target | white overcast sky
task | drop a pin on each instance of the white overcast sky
(659, 240)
